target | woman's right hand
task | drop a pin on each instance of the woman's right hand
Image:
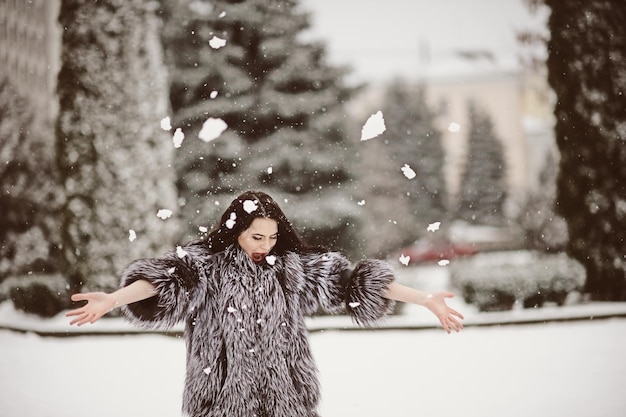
(98, 304)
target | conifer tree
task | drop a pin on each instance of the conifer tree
(29, 194)
(113, 158)
(483, 185)
(587, 70)
(283, 106)
(406, 205)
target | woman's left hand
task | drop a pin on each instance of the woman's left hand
(449, 318)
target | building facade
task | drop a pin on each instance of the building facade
(29, 51)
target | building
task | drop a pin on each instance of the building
(29, 51)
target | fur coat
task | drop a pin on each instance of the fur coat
(248, 352)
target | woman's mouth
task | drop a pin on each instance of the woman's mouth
(258, 256)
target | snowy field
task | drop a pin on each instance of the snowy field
(570, 369)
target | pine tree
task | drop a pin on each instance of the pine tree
(587, 70)
(483, 185)
(113, 158)
(544, 229)
(283, 106)
(28, 184)
(406, 205)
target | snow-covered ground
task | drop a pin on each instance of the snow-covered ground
(548, 369)
(573, 369)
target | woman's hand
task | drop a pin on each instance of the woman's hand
(98, 304)
(449, 318)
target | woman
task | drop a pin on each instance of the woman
(243, 295)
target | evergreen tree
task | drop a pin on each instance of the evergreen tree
(406, 205)
(28, 189)
(544, 229)
(587, 70)
(283, 106)
(483, 185)
(114, 161)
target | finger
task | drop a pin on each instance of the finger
(456, 313)
(445, 326)
(75, 312)
(80, 297)
(77, 320)
(448, 295)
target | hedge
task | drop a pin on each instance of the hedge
(495, 282)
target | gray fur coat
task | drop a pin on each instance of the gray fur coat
(248, 352)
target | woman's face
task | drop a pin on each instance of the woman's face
(259, 239)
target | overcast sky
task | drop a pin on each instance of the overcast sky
(380, 39)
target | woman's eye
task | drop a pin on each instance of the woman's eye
(256, 238)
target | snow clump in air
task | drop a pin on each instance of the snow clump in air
(217, 43)
(270, 259)
(165, 123)
(230, 223)
(408, 172)
(212, 128)
(454, 127)
(404, 260)
(374, 126)
(249, 206)
(164, 214)
(213, 94)
(178, 138)
(433, 227)
(443, 262)
(132, 235)
(180, 252)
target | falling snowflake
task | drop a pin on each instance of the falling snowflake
(454, 127)
(165, 123)
(171, 270)
(433, 227)
(374, 126)
(361, 203)
(212, 129)
(217, 43)
(132, 235)
(230, 223)
(207, 370)
(249, 206)
(180, 252)
(408, 172)
(404, 260)
(231, 309)
(178, 138)
(203, 229)
(270, 259)
(443, 262)
(354, 304)
(164, 214)
(213, 94)
(270, 170)
(222, 15)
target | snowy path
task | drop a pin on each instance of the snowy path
(573, 369)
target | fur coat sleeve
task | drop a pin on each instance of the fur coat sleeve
(178, 277)
(330, 283)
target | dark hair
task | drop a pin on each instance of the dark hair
(240, 214)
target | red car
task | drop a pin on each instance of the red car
(434, 251)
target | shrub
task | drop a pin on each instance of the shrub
(43, 295)
(495, 282)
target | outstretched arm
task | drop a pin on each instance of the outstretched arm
(435, 302)
(100, 303)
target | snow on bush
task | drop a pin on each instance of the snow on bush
(495, 282)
